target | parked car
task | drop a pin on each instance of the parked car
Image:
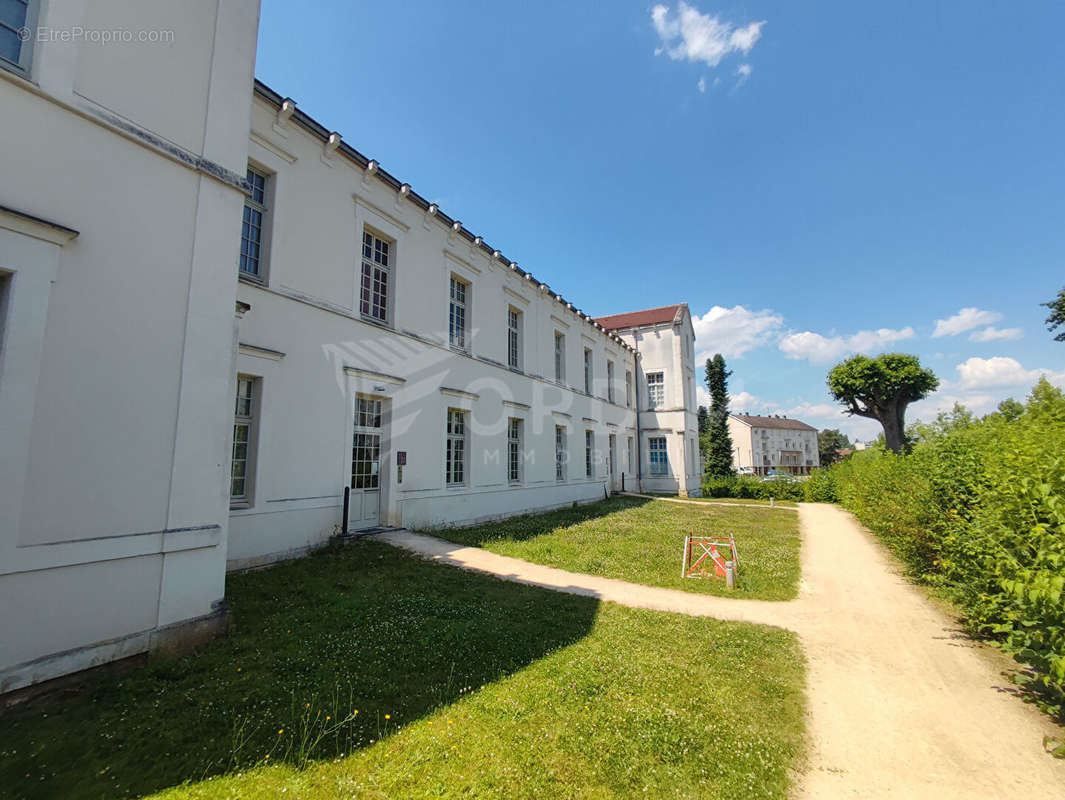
(745, 471)
(778, 477)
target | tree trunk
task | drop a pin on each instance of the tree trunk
(894, 427)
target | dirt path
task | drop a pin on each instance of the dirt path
(901, 704)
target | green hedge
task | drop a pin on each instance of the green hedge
(978, 508)
(751, 488)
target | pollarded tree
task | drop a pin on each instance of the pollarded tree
(718, 443)
(880, 388)
(1057, 315)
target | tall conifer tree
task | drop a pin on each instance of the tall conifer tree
(717, 441)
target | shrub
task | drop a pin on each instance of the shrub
(747, 487)
(978, 508)
(820, 487)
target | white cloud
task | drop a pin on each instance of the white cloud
(733, 331)
(999, 371)
(818, 349)
(964, 320)
(743, 72)
(993, 334)
(688, 34)
(702, 85)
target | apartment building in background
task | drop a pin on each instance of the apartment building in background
(773, 442)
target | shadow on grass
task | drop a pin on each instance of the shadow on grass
(363, 628)
(530, 526)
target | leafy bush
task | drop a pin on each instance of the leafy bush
(747, 487)
(820, 487)
(978, 508)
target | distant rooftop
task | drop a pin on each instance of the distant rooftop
(770, 421)
(637, 319)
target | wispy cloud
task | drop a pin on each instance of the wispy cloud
(702, 85)
(993, 334)
(818, 349)
(964, 320)
(687, 34)
(734, 331)
(743, 72)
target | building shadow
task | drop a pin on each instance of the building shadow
(530, 526)
(330, 643)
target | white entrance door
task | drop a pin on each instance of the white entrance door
(365, 504)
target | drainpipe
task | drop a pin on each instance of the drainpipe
(636, 405)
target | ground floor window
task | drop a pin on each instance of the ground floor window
(658, 456)
(514, 450)
(560, 453)
(455, 468)
(612, 448)
(630, 458)
(240, 477)
(589, 453)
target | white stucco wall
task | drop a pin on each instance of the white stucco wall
(304, 329)
(116, 341)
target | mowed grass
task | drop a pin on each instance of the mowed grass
(641, 540)
(464, 686)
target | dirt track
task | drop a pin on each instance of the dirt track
(900, 703)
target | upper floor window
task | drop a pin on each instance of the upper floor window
(587, 371)
(610, 381)
(251, 231)
(513, 338)
(458, 318)
(17, 26)
(376, 277)
(628, 388)
(656, 447)
(560, 357)
(656, 389)
(455, 466)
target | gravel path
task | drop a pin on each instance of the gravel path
(901, 703)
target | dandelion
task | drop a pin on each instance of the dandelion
(328, 718)
(355, 712)
(388, 716)
(280, 731)
(267, 757)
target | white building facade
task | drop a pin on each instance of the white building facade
(122, 183)
(668, 433)
(772, 443)
(226, 335)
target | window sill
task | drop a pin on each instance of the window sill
(254, 280)
(380, 323)
(239, 506)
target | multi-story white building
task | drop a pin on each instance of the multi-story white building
(218, 319)
(668, 438)
(772, 442)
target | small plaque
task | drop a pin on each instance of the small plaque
(401, 458)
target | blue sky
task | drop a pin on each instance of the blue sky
(813, 179)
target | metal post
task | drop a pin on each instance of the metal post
(344, 521)
(771, 502)
(684, 558)
(730, 575)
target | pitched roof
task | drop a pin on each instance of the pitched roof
(756, 421)
(637, 319)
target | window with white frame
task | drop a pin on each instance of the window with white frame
(514, 455)
(366, 444)
(628, 388)
(588, 377)
(18, 20)
(240, 470)
(253, 226)
(455, 468)
(610, 381)
(630, 457)
(376, 278)
(589, 454)
(656, 389)
(514, 320)
(656, 450)
(560, 357)
(458, 329)
(612, 453)
(560, 453)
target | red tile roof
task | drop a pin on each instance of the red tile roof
(637, 319)
(756, 421)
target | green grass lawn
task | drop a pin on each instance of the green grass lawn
(642, 540)
(740, 501)
(464, 685)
